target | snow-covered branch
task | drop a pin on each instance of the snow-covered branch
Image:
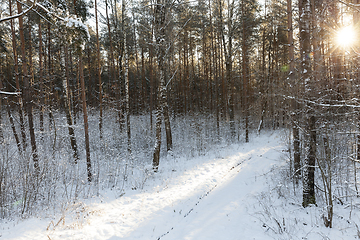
(338, 105)
(49, 12)
(10, 93)
(18, 15)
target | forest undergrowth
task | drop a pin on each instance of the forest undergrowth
(62, 185)
(280, 207)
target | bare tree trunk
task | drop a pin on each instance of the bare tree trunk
(328, 184)
(214, 72)
(164, 102)
(309, 173)
(296, 133)
(86, 124)
(305, 38)
(69, 119)
(158, 115)
(41, 80)
(1, 109)
(356, 22)
(127, 96)
(161, 45)
(167, 122)
(245, 66)
(143, 81)
(50, 71)
(151, 86)
(84, 106)
(16, 68)
(28, 93)
(13, 128)
(8, 109)
(30, 55)
(98, 70)
(112, 60)
(228, 67)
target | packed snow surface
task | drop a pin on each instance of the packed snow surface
(206, 197)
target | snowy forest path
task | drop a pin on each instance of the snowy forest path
(210, 200)
(206, 199)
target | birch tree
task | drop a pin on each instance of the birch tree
(309, 168)
(162, 11)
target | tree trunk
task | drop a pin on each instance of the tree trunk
(112, 60)
(229, 69)
(161, 46)
(356, 21)
(143, 81)
(127, 96)
(28, 94)
(17, 81)
(98, 71)
(167, 122)
(309, 173)
(151, 85)
(86, 124)
(1, 109)
(67, 102)
(245, 66)
(13, 128)
(296, 133)
(305, 38)
(41, 80)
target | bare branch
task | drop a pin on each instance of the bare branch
(352, 5)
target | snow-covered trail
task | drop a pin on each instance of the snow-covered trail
(207, 201)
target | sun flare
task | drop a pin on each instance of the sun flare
(346, 36)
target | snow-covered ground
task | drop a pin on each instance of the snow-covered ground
(223, 195)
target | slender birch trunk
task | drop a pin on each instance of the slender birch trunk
(161, 46)
(309, 169)
(295, 128)
(127, 96)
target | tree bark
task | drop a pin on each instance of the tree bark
(41, 80)
(13, 128)
(112, 60)
(229, 67)
(1, 109)
(151, 83)
(86, 124)
(309, 173)
(17, 82)
(309, 169)
(161, 46)
(99, 71)
(296, 132)
(127, 96)
(27, 94)
(67, 102)
(245, 66)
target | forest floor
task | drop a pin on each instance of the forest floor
(236, 193)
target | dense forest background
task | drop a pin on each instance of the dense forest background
(85, 87)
